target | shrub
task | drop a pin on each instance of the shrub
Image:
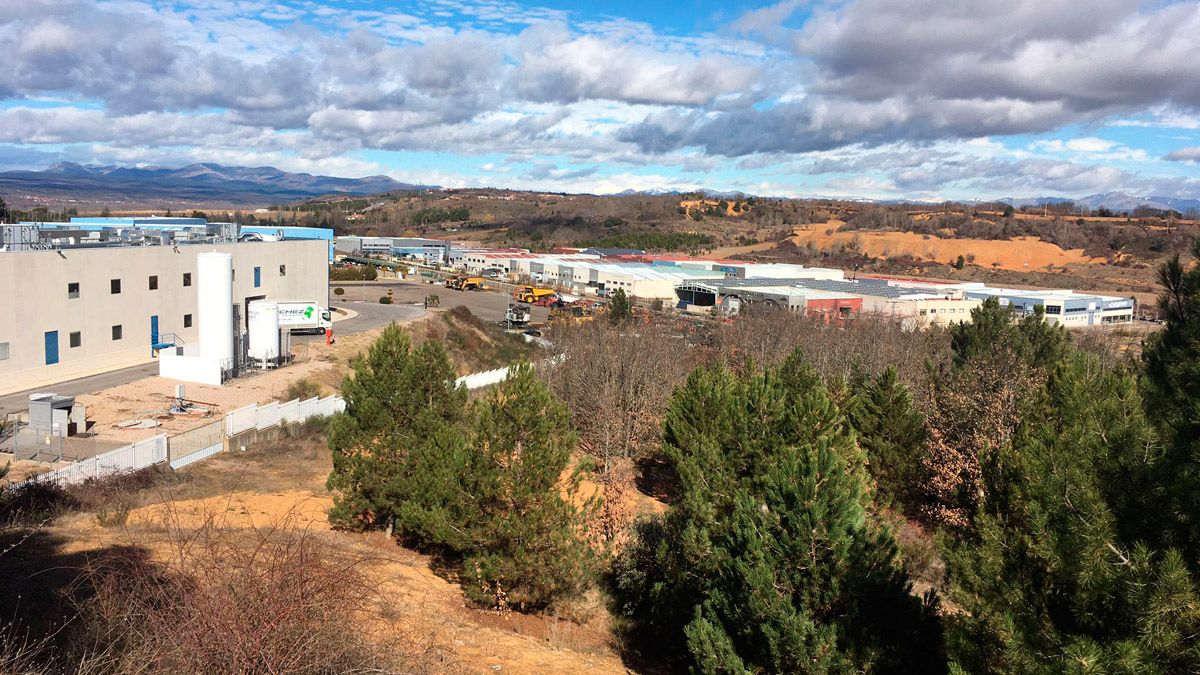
(303, 389)
(339, 291)
(279, 602)
(385, 300)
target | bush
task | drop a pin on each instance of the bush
(385, 300)
(339, 291)
(303, 389)
(357, 273)
(279, 602)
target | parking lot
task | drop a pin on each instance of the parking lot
(488, 305)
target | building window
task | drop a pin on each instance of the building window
(283, 270)
(3, 351)
(75, 339)
(114, 286)
(116, 332)
(257, 277)
(187, 320)
(154, 282)
(72, 289)
(187, 278)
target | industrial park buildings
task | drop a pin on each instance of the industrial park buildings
(82, 299)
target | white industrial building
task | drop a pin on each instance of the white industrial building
(79, 306)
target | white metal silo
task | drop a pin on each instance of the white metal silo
(264, 330)
(214, 300)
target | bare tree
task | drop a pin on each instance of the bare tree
(617, 381)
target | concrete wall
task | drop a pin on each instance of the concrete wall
(34, 300)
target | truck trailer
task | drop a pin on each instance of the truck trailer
(299, 316)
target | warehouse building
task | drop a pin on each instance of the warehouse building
(80, 302)
(914, 305)
(1062, 307)
(362, 246)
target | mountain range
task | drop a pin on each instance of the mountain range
(1114, 201)
(194, 183)
(68, 183)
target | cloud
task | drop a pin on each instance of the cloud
(1090, 144)
(876, 73)
(889, 92)
(1185, 155)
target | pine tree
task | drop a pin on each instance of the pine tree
(503, 501)
(619, 309)
(768, 561)
(397, 401)
(893, 434)
(1036, 341)
(1172, 388)
(1058, 577)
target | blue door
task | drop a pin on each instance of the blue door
(51, 347)
(153, 330)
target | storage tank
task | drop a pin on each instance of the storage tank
(264, 330)
(214, 302)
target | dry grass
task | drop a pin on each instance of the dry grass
(276, 601)
(217, 550)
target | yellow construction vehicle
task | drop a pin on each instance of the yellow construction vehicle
(579, 312)
(534, 295)
(464, 283)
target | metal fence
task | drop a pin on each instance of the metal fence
(193, 445)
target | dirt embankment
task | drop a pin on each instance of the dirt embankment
(282, 486)
(1019, 254)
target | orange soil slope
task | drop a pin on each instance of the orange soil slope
(1019, 254)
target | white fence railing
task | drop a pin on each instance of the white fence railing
(483, 379)
(242, 419)
(133, 456)
(157, 449)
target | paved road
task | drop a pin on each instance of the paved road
(370, 315)
(487, 305)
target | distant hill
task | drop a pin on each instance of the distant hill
(191, 184)
(1115, 201)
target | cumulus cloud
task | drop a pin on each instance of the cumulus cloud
(831, 88)
(884, 70)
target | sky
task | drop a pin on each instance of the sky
(914, 99)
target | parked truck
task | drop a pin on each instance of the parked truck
(299, 316)
(534, 295)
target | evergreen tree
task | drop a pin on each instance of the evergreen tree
(1036, 341)
(768, 561)
(1172, 356)
(397, 401)
(503, 502)
(893, 434)
(1172, 389)
(619, 309)
(1058, 577)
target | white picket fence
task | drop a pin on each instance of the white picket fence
(482, 379)
(133, 456)
(157, 449)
